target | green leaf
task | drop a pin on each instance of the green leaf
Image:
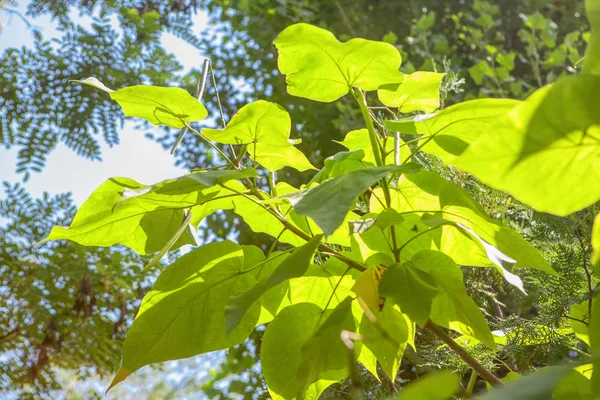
(359, 140)
(594, 328)
(292, 267)
(591, 64)
(574, 386)
(108, 217)
(265, 128)
(388, 348)
(420, 91)
(328, 203)
(168, 106)
(184, 313)
(544, 151)
(596, 242)
(536, 386)
(315, 287)
(367, 286)
(411, 288)
(449, 132)
(319, 67)
(440, 385)
(292, 369)
(340, 164)
(426, 192)
(580, 312)
(452, 308)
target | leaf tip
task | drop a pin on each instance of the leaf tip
(119, 377)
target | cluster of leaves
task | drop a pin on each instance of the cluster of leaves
(376, 239)
(63, 307)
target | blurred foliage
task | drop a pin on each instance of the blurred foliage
(62, 306)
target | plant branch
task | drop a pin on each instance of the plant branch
(214, 146)
(466, 357)
(375, 146)
(298, 232)
(199, 92)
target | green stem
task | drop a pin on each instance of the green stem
(378, 153)
(211, 144)
(375, 146)
(472, 382)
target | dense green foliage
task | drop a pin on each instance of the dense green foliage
(396, 263)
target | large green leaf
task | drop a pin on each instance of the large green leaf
(545, 152)
(441, 385)
(168, 106)
(184, 313)
(107, 218)
(329, 203)
(292, 267)
(302, 353)
(452, 307)
(536, 386)
(265, 128)
(411, 288)
(449, 132)
(420, 91)
(574, 386)
(188, 190)
(319, 67)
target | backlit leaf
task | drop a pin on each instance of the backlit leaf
(412, 289)
(359, 140)
(449, 132)
(265, 128)
(329, 203)
(168, 106)
(536, 386)
(545, 151)
(292, 267)
(107, 218)
(440, 385)
(319, 67)
(453, 308)
(184, 313)
(291, 369)
(420, 91)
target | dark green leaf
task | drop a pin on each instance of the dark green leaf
(411, 288)
(329, 203)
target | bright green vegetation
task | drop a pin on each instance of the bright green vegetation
(376, 239)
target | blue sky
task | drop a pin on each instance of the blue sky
(135, 157)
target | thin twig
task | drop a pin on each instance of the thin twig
(199, 92)
(466, 357)
(214, 146)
